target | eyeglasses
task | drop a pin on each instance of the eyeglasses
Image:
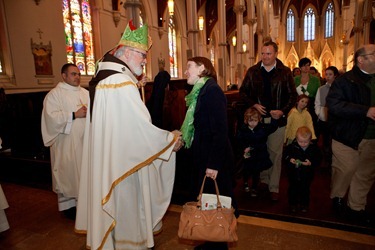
(144, 55)
(369, 54)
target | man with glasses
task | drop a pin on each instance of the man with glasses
(351, 115)
(128, 166)
(63, 124)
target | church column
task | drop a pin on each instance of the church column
(344, 40)
(133, 8)
(260, 25)
(251, 21)
(266, 17)
(251, 49)
(366, 29)
(239, 9)
(192, 27)
(222, 45)
(357, 35)
(358, 28)
(366, 21)
(345, 43)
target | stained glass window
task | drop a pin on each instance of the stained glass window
(172, 48)
(330, 16)
(78, 35)
(290, 26)
(309, 25)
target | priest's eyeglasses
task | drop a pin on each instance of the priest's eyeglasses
(144, 55)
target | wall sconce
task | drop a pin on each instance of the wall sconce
(171, 7)
(343, 37)
(244, 47)
(201, 22)
(234, 41)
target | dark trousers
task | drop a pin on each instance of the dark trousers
(299, 185)
(254, 174)
(323, 130)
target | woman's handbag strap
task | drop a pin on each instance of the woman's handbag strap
(199, 203)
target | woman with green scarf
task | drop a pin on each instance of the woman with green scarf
(205, 133)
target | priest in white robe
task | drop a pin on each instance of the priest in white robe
(63, 124)
(4, 225)
(128, 164)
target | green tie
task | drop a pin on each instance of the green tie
(303, 90)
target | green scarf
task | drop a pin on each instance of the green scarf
(187, 127)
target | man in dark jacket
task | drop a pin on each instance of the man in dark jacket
(351, 115)
(269, 87)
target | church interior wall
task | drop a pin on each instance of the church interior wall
(24, 19)
(42, 23)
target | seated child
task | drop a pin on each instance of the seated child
(252, 137)
(301, 157)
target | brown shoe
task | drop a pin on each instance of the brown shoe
(274, 196)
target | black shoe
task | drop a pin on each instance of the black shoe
(304, 209)
(360, 217)
(338, 205)
(70, 213)
(293, 209)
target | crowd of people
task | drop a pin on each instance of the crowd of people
(339, 110)
(113, 166)
(123, 186)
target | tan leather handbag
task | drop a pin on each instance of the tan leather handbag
(217, 225)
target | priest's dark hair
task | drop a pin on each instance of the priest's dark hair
(65, 67)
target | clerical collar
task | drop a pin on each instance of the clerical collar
(274, 66)
(371, 75)
(366, 72)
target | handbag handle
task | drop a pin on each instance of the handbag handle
(199, 203)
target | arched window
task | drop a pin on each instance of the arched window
(330, 17)
(78, 35)
(290, 20)
(172, 48)
(309, 25)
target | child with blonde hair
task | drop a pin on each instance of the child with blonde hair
(298, 117)
(253, 140)
(301, 157)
